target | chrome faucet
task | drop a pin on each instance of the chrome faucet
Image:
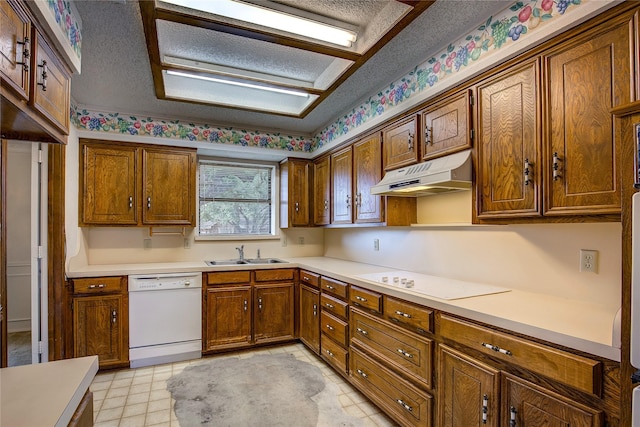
(241, 252)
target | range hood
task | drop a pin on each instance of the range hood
(442, 175)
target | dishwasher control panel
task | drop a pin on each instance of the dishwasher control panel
(157, 282)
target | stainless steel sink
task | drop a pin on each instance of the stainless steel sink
(246, 261)
(226, 262)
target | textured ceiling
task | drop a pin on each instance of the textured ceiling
(116, 74)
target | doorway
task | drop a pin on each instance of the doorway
(26, 241)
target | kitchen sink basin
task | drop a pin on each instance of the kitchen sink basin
(246, 261)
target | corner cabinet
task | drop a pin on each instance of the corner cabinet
(295, 176)
(101, 320)
(126, 184)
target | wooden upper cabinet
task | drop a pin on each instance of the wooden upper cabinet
(587, 77)
(367, 168)
(125, 184)
(14, 64)
(294, 193)
(447, 126)
(50, 85)
(342, 186)
(508, 146)
(168, 194)
(109, 185)
(322, 191)
(401, 143)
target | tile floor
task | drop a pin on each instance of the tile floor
(138, 397)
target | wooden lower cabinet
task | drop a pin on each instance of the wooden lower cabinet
(273, 312)
(99, 324)
(404, 402)
(228, 317)
(468, 391)
(309, 313)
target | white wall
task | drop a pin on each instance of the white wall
(540, 258)
(19, 236)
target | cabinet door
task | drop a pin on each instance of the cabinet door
(400, 144)
(367, 161)
(322, 192)
(274, 312)
(509, 144)
(525, 404)
(50, 85)
(228, 317)
(109, 183)
(341, 175)
(447, 126)
(299, 193)
(469, 390)
(14, 64)
(586, 79)
(168, 187)
(310, 317)
(98, 329)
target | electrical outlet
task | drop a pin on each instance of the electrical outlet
(301, 240)
(588, 261)
(284, 240)
(376, 244)
(187, 243)
(147, 243)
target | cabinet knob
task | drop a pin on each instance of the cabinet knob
(44, 75)
(25, 54)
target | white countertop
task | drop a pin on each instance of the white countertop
(572, 323)
(45, 394)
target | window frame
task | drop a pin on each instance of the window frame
(275, 199)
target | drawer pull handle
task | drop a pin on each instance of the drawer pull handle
(496, 348)
(329, 305)
(114, 316)
(556, 167)
(485, 408)
(405, 354)
(148, 202)
(404, 405)
(512, 416)
(25, 54)
(44, 75)
(297, 205)
(245, 306)
(362, 373)
(331, 328)
(329, 353)
(362, 331)
(359, 298)
(315, 309)
(305, 278)
(330, 287)
(527, 172)
(400, 313)
(130, 202)
(99, 286)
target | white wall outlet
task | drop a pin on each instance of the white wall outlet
(187, 243)
(376, 244)
(588, 261)
(284, 240)
(147, 243)
(301, 240)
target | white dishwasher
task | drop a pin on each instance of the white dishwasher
(165, 318)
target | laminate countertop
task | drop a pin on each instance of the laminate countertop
(45, 394)
(573, 323)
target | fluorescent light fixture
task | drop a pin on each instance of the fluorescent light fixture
(273, 19)
(237, 83)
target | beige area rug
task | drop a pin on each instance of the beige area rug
(262, 390)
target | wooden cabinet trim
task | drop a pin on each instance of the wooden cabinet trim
(274, 275)
(100, 285)
(223, 277)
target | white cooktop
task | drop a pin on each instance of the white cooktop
(433, 286)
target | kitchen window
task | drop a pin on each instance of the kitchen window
(236, 199)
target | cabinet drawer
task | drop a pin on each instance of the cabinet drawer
(98, 285)
(335, 328)
(274, 275)
(573, 370)
(366, 299)
(335, 287)
(229, 277)
(397, 397)
(413, 317)
(334, 305)
(311, 279)
(406, 353)
(334, 354)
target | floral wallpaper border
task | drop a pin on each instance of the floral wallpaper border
(508, 27)
(68, 23)
(175, 129)
(495, 33)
